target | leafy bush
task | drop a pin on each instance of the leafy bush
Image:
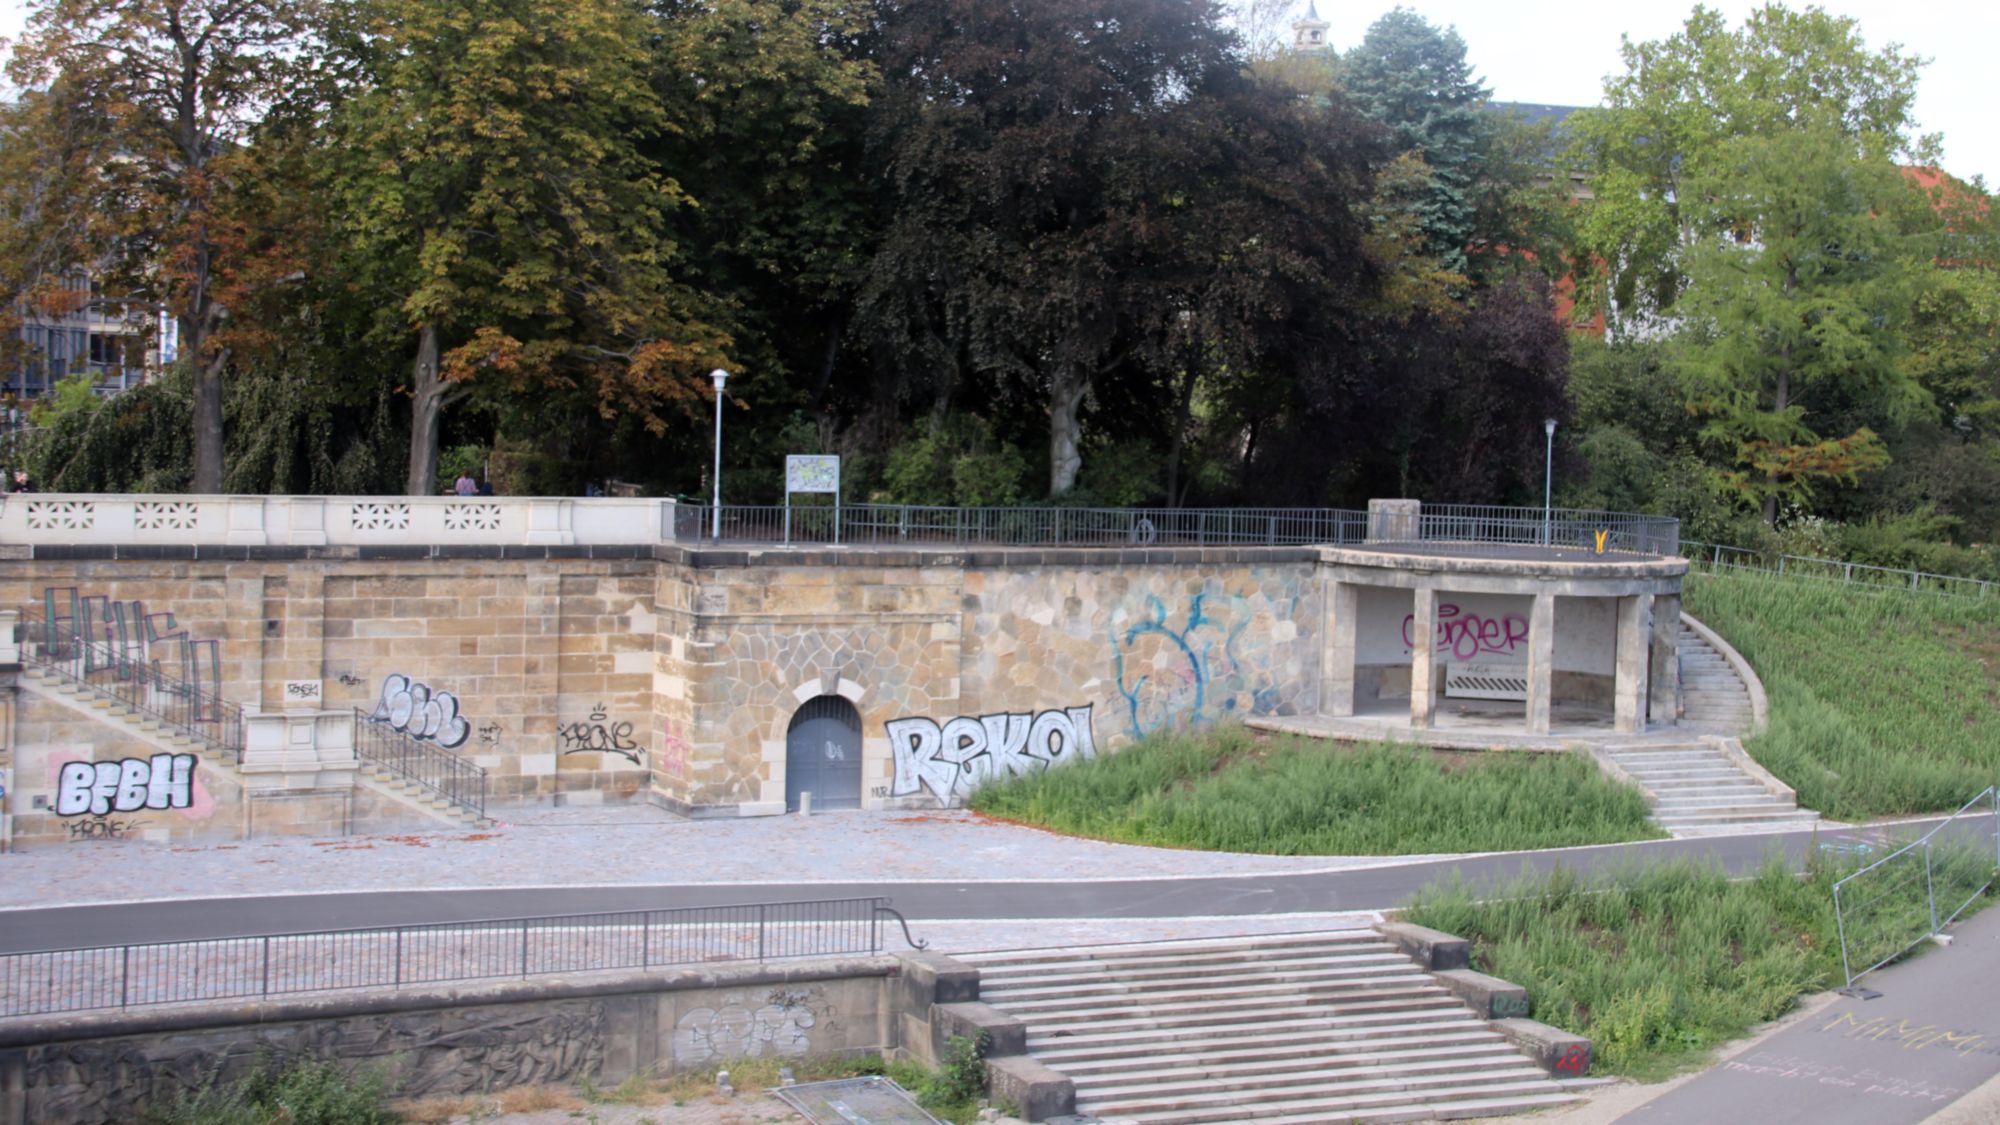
(1223, 790)
(302, 1092)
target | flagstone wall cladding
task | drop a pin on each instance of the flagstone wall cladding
(674, 676)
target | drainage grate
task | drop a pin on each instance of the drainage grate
(873, 1100)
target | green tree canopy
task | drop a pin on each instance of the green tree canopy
(492, 185)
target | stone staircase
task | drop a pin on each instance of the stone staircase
(109, 708)
(1700, 785)
(1714, 698)
(105, 706)
(412, 792)
(1278, 1029)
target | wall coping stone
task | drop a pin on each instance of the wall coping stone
(31, 1031)
(1432, 949)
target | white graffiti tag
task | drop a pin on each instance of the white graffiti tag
(953, 760)
(414, 708)
(101, 788)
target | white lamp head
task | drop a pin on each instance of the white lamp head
(720, 376)
(1548, 424)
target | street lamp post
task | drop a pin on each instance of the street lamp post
(715, 526)
(1548, 476)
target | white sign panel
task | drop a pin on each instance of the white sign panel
(811, 472)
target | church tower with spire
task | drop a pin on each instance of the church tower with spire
(1309, 31)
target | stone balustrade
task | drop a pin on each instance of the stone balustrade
(320, 521)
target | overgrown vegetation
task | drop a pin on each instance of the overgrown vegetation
(1222, 789)
(1657, 965)
(1882, 703)
(300, 1092)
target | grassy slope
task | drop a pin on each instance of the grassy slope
(1658, 966)
(1222, 790)
(1881, 703)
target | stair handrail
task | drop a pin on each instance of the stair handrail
(198, 712)
(449, 775)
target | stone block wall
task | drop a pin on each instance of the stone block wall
(673, 675)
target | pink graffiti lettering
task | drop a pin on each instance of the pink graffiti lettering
(1467, 635)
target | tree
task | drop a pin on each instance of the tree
(1668, 118)
(1076, 190)
(492, 185)
(1802, 301)
(148, 105)
(1413, 78)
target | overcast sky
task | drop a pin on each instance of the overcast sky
(1560, 50)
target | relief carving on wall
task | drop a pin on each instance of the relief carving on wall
(452, 1052)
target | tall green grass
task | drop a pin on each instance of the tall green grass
(1656, 965)
(1881, 703)
(1223, 790)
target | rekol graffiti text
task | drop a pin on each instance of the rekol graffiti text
(101, 788)
(423, 714)
(954, 759)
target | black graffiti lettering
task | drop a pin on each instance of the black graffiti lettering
(102, 828)
(166, 781)
(600, 735)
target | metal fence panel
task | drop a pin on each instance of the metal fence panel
(69, 980)
(1901, 899)
(1715, 557)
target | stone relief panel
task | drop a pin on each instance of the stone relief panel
(446, 1052)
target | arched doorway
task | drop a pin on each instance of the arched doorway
(823, 754)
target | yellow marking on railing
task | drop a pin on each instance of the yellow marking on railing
(1601, 537)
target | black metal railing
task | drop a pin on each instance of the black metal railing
(97, 658)
(911, 525)
(124, 976)
(433, 768)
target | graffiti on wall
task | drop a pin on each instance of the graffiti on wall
(103, 828)
(119, 637)
(746, 1025)
(674, 751)
(1464, 635)
(165, 781)
(954, 759)
(598, 734)
(412, 707)
(1191, 667)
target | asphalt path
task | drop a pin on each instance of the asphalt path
(1373, 888)
(1929, 1037)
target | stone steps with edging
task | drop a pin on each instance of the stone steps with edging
(1211, 1028)
(1495, 1095)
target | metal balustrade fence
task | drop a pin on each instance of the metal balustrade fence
(433, 768)
(911, 525)
(1903, 898)
(109, 660)
(1710, 556)
(125, 976)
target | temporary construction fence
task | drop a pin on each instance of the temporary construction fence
(1886, 908)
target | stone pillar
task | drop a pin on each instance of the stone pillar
(1342, 635)
(298, 772)
(1541, 662)
(10, 645)
(1393, 521)
(1635, 658)
(1666, 673)
(1423, 642)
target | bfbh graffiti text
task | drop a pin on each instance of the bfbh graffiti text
(166, 781)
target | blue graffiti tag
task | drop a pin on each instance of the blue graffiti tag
(1211, 673)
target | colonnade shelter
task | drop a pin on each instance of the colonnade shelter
(1559, 636)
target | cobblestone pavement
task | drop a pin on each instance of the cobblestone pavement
(619, 846)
